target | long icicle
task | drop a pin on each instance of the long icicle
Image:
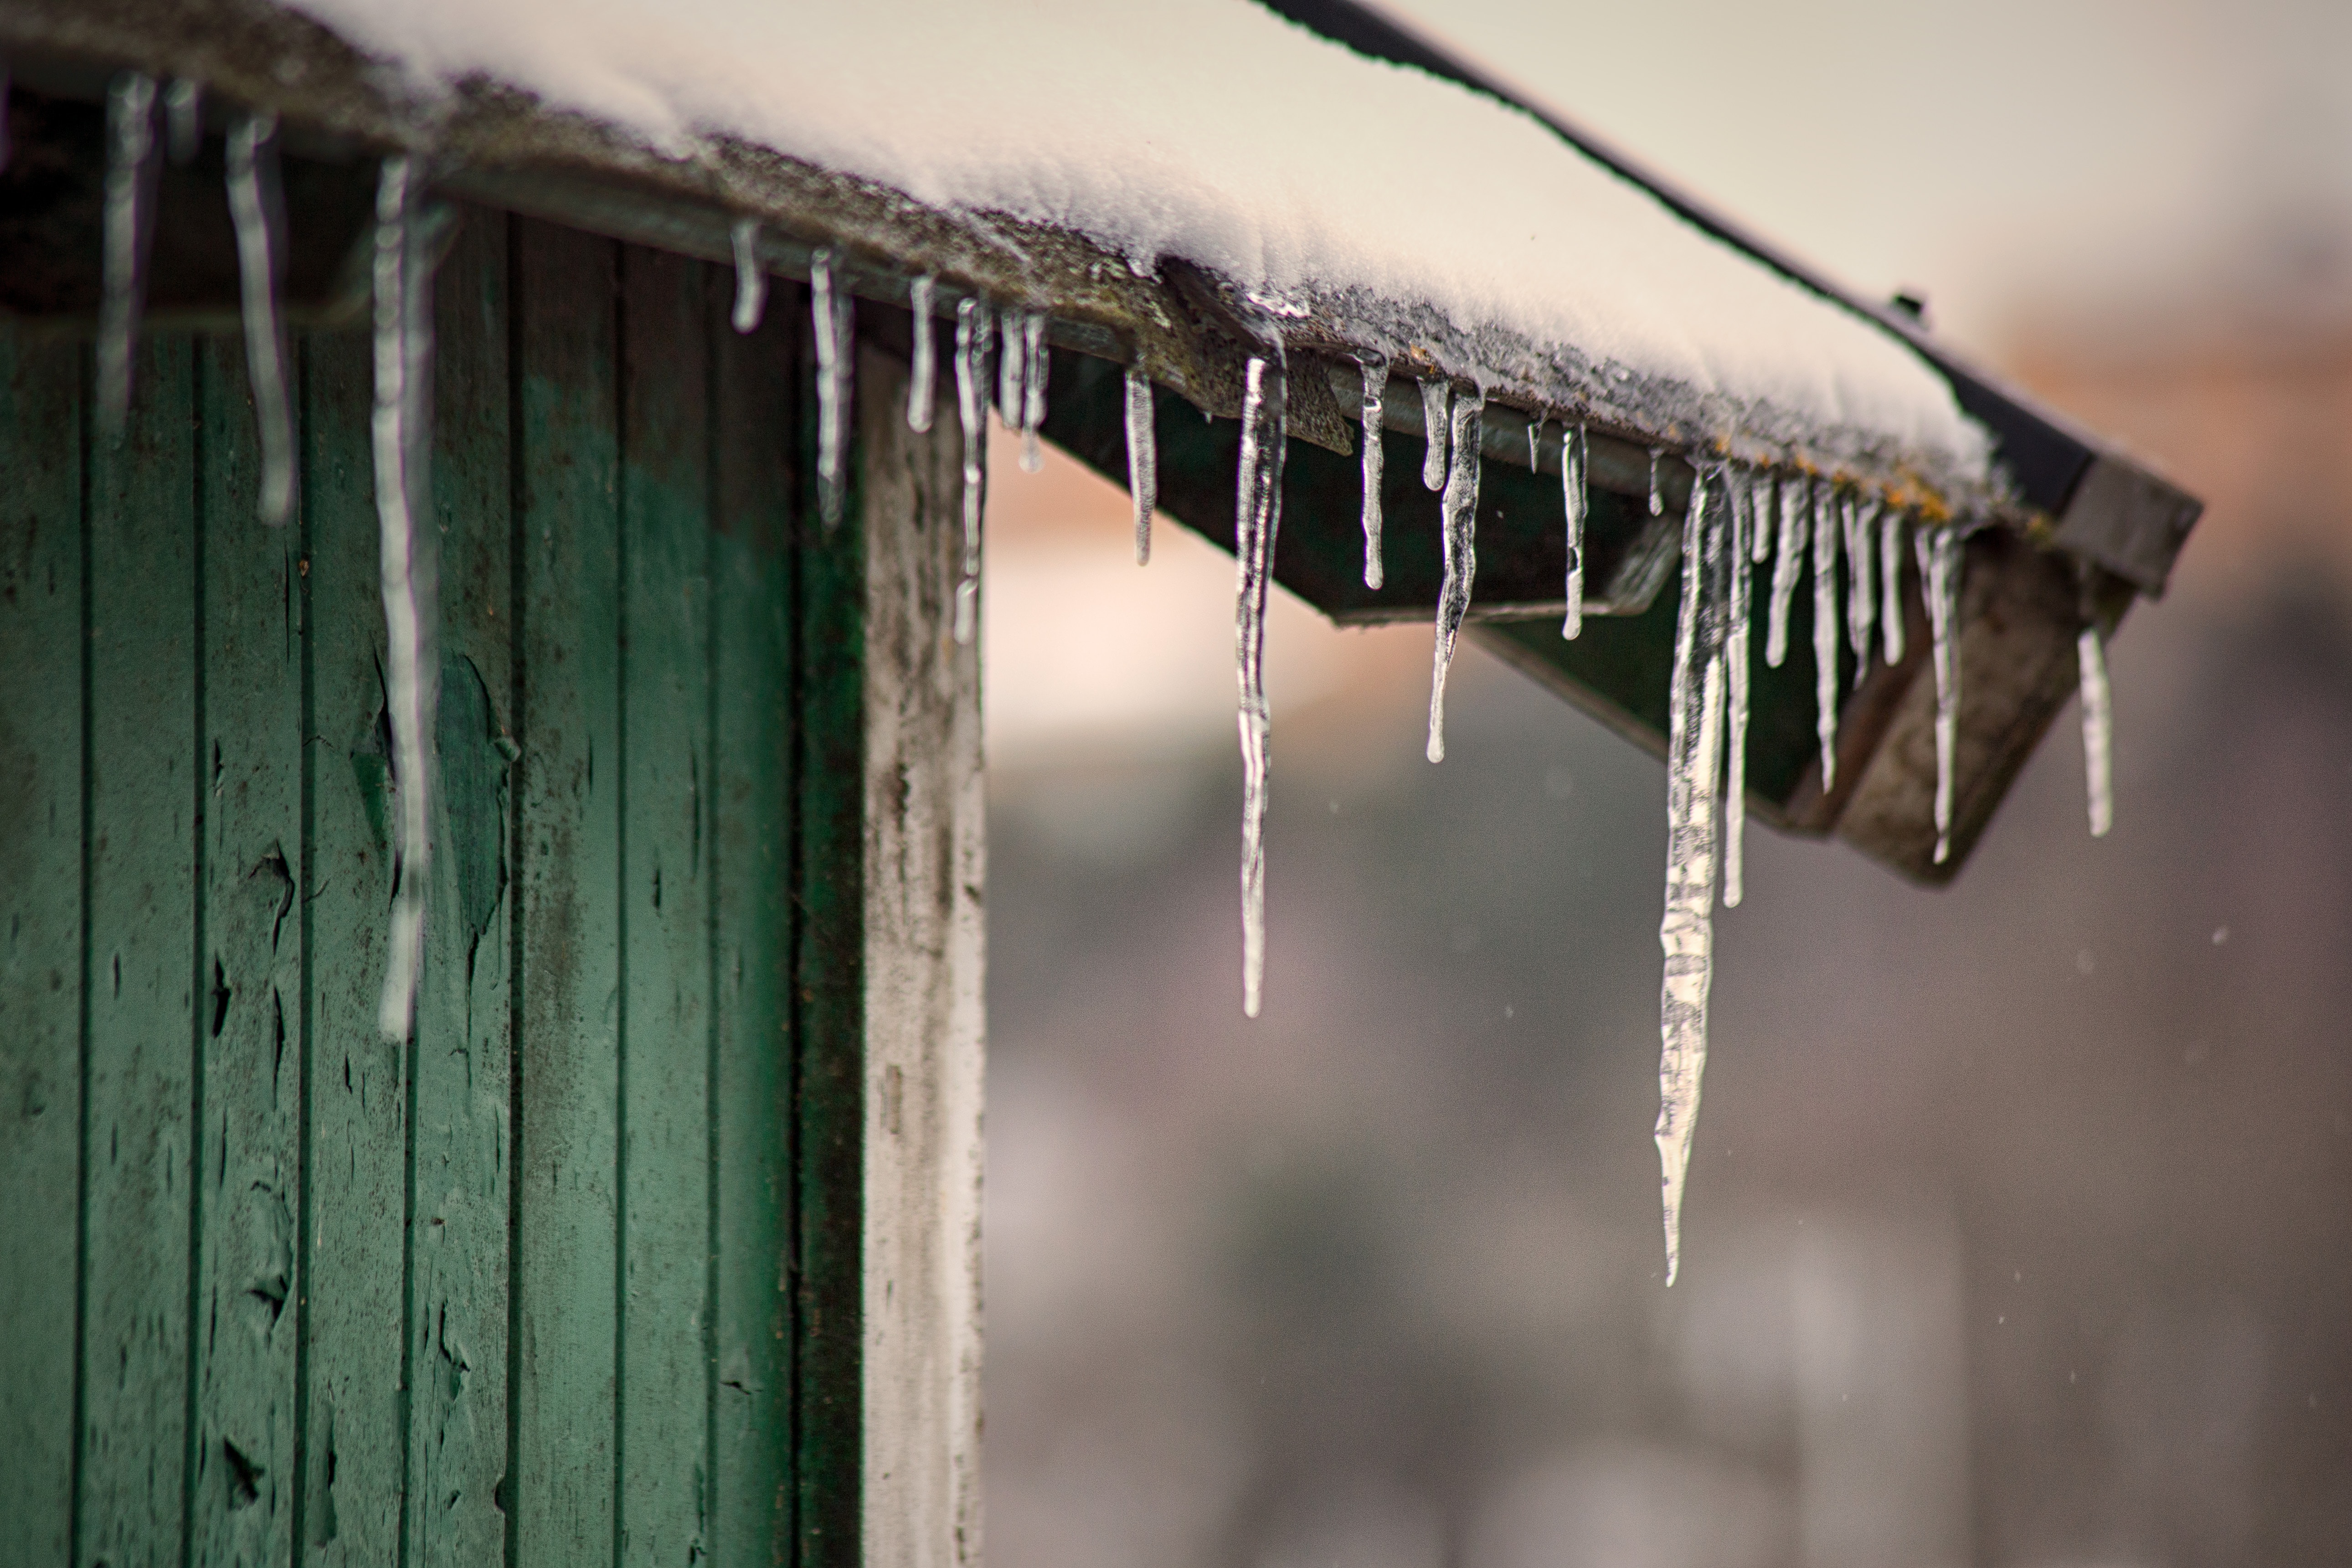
(1572, 449)
(1941, 560)
(403, 338)
(255, 212)
(972, 320)
(1373, 408)
(1460, 511)
(131, 152)
(1788, 565)
(1890, 584)
(1036, 366)
(1434, 421)
(751, 282)
(1862, 580)
(1746, 525)
(1687, 932)
(923, 373)
(1142, 459)
(1257, 519)
(1825, 627)
(2098, 730)
(829, 307)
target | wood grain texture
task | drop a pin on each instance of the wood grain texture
(925, 821)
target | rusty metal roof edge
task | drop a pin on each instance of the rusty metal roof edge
(502, 147)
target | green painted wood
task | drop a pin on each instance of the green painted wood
(665, 902)
(248, 1004)
(562, 1479)
(144, 938)
(829, 1027)
(41, 947)
(755, 482)
(356, 1152)
(457, 1188)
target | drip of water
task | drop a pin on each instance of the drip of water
(2098, 730)
(184, 120)
(1825, 627)
(1788, 564)
(922, 379)
(830, 306)
(1572, 452)
(1036, 366)
(129, 191)
(1862, 580)
(1376, 393)
(1940, 559)
(1257, 506)
(1460, 508)
(1890, 582)
(972, 321)
(1686, 932)
(1435, 398)
(751, 283)
(403, 348)
(1657, 486)
(1142, 459)
(253, 209)
(1746, 525)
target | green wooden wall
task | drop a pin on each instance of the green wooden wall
(570, 1277)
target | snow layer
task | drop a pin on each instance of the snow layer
(1206, 129)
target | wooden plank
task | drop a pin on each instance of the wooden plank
(665, 1035)
(458, 1191)
(926, 825)
(249, 995)
(350, 1257)
(142, 877)
(828, 1024)
(568, 714)
(41, 947)
(754, 409)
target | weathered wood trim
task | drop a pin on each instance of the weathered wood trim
(924, 954)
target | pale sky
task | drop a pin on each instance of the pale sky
(1995, 153)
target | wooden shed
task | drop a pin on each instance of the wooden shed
(655, 1237)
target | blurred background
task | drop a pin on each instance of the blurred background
(2019, 1211)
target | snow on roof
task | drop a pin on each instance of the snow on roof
(1309, 178)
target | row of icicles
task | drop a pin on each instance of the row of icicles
(1738, 519)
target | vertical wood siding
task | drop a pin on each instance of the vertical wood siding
(573, 1276)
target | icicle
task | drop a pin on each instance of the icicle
(129, 186)
(1257, 520)
(2098, 730)
(1435, 395)
(1762, 484)
(1535, 444)
(1862, 580)
(1574, 446)
(972, 321)
(403, 346)
(1787, 565)
(751, 282)
(1011, 371)
(1890, 584)
(1036, 366)
(922, 378)
(1747, 524)
(1825, 627)
(830, 306)
(253, 207)
(1142, 459)
(1657, 485)
(184, 120)
(1940, 558)
(1686, 933)
(1460, 508)
(1376, 396)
